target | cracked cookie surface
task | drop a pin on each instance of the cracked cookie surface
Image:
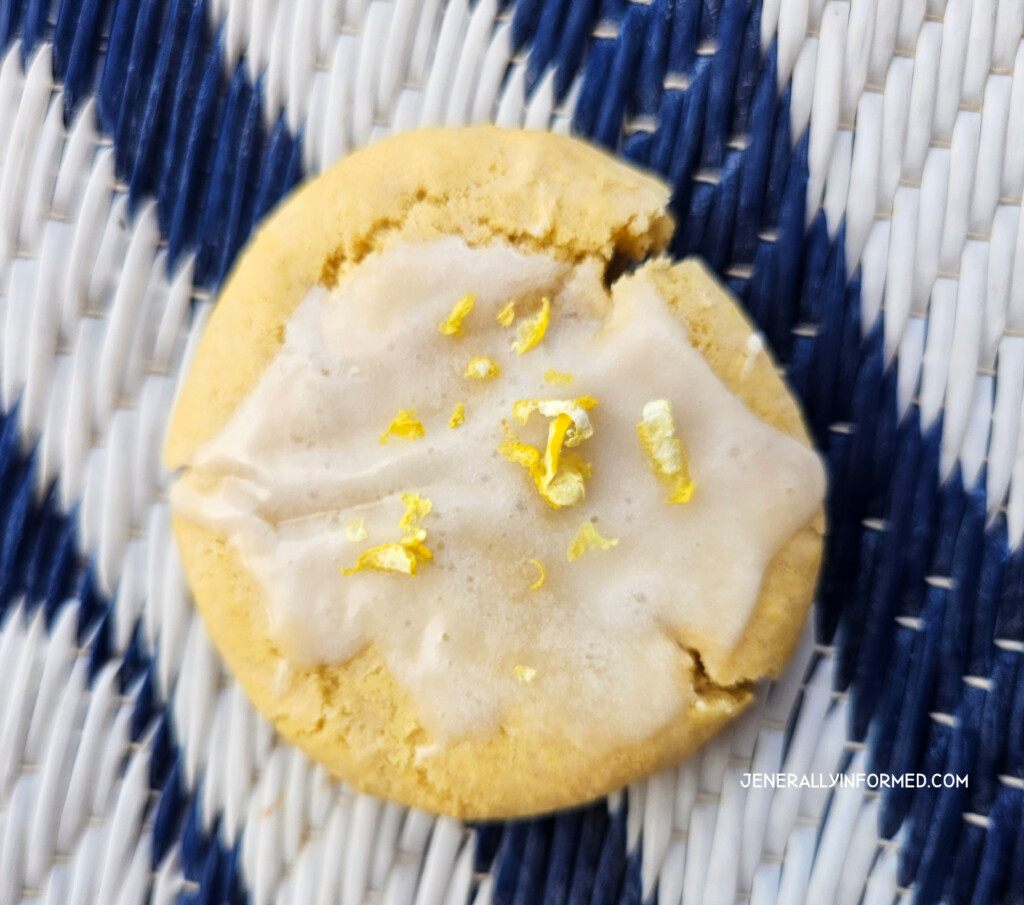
(538, 195)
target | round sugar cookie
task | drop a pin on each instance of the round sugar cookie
(490, 508)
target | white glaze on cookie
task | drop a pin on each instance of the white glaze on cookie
(302, 456)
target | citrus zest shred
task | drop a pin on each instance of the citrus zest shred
(452, 325)
(482, 369)
(559, 378)
(559, 477)
(525, 674)
(576, 409)
(417, 508)
(355, 530)
(458, 416)
(385, 558)
(543, 574)
(507, 314)
(588, 538)
(530, 332)
(557, 431)
(404, 556)
(519, 453)
(665, 450)
(404, 426)
(418, 549)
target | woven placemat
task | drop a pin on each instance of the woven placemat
(854, 170)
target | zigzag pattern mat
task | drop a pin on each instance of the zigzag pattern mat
(853, 168)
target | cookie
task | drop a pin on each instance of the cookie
(485, 514)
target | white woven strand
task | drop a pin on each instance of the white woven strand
(453, 25)
(963, 361)
(827, 91)
(471, 57)
(874, 264)
(857, 57)
(934, 179)
(56, 765)
(815, 14)
(1005, 418)
(979, 51)
(1002, 240)
(837, 181)
(699, 837)
(828, 756)
(334, 841)
(991, 144)
(77, 428)
(936, 361)
(881, 886)
(785, 803)
(924, 85)
(976, 437)
(765, 888)
(495, 64)
(912, 13)
(43, 330)
(860, 855)
(387, 836)
(835, 839)
(658, 813)
(796, 866)
(723, 864)
(952, 62)
(792, 30)
(860, 202)
(22, 140)
(801, 97)
(42, 172)
(1009, 25)
(11, 89)
(767, 761)
(909, 361)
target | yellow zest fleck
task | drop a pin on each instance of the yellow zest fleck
(588, 538)
(458, 416)
(543, 574)
(520, 453)
(355, 530)
(559, 478)
(417, 508)
(531, 332)
(452, 325)
(507, 314)
(576, 409)
(560, 378)
(385, 558)
(665, 450)
(525, 674)
(482, 369)
(405, 427)
(418, 550)
(402, 557)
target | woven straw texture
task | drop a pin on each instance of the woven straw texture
(854, 170)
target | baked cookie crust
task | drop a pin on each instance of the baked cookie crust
(538, 192)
